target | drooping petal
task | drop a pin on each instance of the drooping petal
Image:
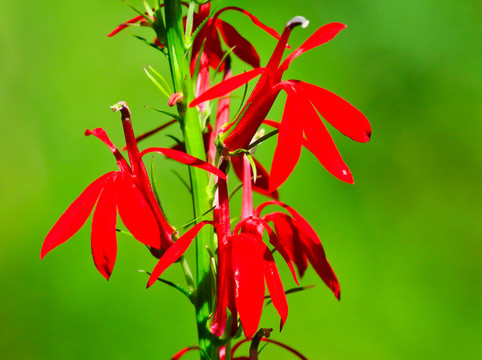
(275, 286)
(273, 239)
(262, 182)
(316, 256)
(226, 86)
(241, 47)
(103, 238)
(338, 112)
(187, 159)
(174, 252)
(75, 216)
(248, 280)
(290, 139)
(253, 18)
(322, 144)
(319, 37)
(289, 238)
(312, 246)
(276, 125)
(136, 214)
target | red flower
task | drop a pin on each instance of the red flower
(127, 191)
(301, 243)
(209, 36)
(299, 115)
(245, 263)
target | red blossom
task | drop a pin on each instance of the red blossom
(126, 191)
(301, 243)
(299, 117)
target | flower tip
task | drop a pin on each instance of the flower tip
(297, 21)
(119, 106)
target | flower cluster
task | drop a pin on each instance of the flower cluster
(243, 257)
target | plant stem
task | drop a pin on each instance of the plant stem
(192, 132)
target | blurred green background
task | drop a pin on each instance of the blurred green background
(404, 241)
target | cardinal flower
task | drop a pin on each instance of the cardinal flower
(126, 191)
(299, 117)
(300, 242)
(245, 265)
(208, 40)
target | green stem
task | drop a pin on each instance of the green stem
(192, 132)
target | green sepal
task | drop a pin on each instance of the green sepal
(171, 284)
(174, 116)
(290, 291)
(139, 12)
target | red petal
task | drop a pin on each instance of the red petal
(224, 290)
(338, 112)
(248, 281)
(320, 36)
(321, 144)
(275, 286)
(126, 24)
(273, 239)
(104, 242)
(179, 354)
(100, 134)
(136, 214)
(212, 48)
(289, 238)
(226, 86)
(314, 249)
(253, 18)
(290, 138)
(75, 216)
(316, 256)
(174, 252)
(242, 47)
(187, 159)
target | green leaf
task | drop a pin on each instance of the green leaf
(291, 291)
(166, 84)
(263, 138)
(159, 86)
(182, 180)
(148, 8)
(253, 166)
(154, 183)
(171, 284)
(139, 12)
(177, 117)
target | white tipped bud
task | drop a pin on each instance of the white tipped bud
(298, 21)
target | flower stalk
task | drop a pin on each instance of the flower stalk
(234, 268)
(192, 132)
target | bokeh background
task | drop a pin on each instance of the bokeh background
(404, 241)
